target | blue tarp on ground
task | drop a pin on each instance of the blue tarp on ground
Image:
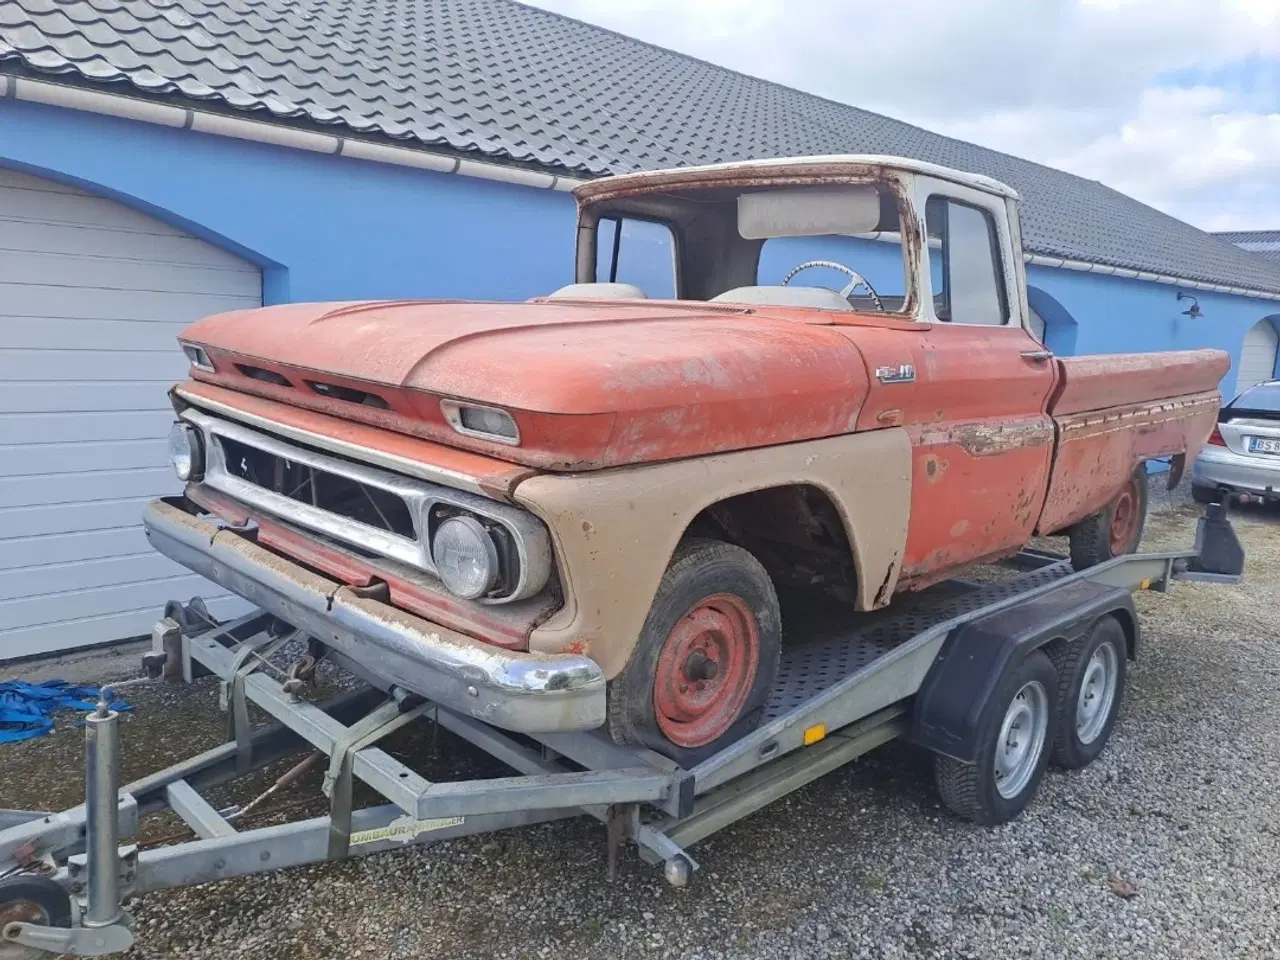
(26, 709)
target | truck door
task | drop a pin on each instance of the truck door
(977, 414)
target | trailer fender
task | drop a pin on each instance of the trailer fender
(955, 699)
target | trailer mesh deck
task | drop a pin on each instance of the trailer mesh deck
(834, 648)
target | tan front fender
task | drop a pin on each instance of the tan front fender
(615, 530)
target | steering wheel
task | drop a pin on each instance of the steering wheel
(855, 279)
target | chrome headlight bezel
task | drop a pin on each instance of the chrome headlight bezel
(186, 452)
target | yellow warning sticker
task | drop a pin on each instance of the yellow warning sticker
(405, 829)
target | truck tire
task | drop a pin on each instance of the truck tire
(1091, 677)
(706, 658)
(1114, 530)
(1013, 749)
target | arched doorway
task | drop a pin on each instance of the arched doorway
(92, 296)
(1258, 354)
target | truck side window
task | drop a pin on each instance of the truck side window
(640, 252)
(972, 288)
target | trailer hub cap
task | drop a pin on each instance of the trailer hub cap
(705, 670)
(1021, 740)
(1097, 694)
(1124, 519)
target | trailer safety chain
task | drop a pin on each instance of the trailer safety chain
(383, 720)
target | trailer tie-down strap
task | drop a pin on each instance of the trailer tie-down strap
(383, 720)
(253, 653)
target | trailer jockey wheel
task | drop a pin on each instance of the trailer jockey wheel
(706, 657)
(1114, 530)
(27, 898)
(1013, 748)
(1091, 675)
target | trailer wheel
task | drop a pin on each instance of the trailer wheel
(1091, 676)
(1114, 530)
(1013, 749)
(27, 898)
(706, 657)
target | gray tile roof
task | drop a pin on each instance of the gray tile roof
(517, 84)
(1262, 243)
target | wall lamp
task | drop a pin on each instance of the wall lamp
(1193, 311)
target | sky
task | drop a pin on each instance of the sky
(1175, 102)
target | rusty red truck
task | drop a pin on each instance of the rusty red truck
(580, 511)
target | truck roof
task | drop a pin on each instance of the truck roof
(782, 168)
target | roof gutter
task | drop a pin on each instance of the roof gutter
(217, 124)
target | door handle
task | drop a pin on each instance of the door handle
(1037, 355)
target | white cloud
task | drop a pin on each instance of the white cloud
(1153, 97)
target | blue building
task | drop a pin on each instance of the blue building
(159, 162)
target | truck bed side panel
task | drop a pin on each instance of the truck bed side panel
(1098, 450)
(1109, 381)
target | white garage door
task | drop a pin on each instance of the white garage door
(1257, 355)
(92, 295)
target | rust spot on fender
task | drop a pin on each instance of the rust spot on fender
(889, 418)
(959, 527)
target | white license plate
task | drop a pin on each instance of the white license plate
(1263, 445)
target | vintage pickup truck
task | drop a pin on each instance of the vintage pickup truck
(581, 510)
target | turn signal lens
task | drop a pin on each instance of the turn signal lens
(1215, 438)
(198, 356)
(488, 423)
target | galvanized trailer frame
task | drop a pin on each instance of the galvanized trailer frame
(839, 694)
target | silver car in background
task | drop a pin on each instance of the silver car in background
(1242, 457)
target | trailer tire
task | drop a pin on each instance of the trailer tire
(33, 899)
(1114, 530)
(1091, 679)
(1026, 705)
(716, 605)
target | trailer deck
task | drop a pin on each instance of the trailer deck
(846, 684)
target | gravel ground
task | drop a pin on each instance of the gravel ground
(1167, 846)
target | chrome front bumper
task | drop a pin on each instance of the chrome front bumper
(1219, 467)
(533, 693)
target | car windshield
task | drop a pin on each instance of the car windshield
(1264, 397)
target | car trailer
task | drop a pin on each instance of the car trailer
(961, 672)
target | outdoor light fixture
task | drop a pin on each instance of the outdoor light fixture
(1192, 311)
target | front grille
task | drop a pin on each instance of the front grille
(326, 491)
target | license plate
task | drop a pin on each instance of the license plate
(1263, 445)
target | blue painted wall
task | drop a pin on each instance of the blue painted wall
(322, 227)
(327, 228)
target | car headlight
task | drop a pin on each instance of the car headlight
(465, 556)
(186, 452)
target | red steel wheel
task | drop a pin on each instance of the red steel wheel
(1125, 518)
(706, 669)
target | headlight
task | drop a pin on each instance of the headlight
(185, 452)
(465, 556)
(199, 357)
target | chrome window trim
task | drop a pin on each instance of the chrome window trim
(533, 543)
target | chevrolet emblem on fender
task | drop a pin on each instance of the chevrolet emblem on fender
(903, 373)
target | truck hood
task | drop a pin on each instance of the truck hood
(590, 383)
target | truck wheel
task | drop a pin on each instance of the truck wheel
(1012, 752)
(706, 657)
(1091, 675)
(1114, 530)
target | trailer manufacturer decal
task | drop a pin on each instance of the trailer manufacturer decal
(405, 829)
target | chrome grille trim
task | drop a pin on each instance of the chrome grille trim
(533, 545)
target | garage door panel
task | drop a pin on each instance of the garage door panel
(109, 273)
(71, 547)
(35, 459)
(58, 364)
(25, 583)
(34, 333)
(1257, 356)
(50, 490)
(17, 523)
(100, 425)
(76, 398)
(65, 239)
(39, 300)
(92, 298)
(87, 631)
